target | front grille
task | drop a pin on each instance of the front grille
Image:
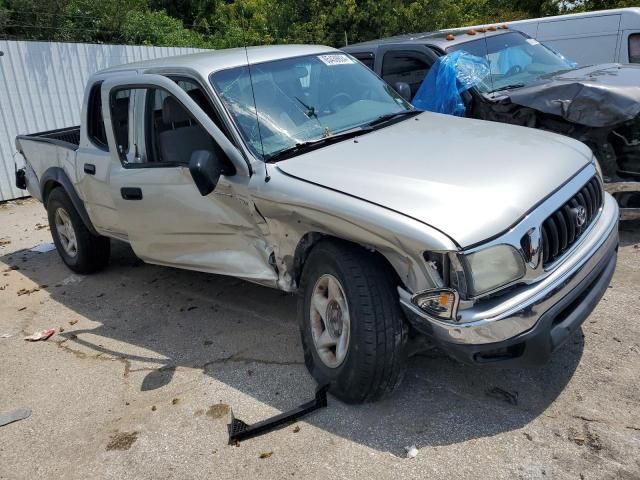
(562, 229)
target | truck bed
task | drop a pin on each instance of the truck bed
(65, 137)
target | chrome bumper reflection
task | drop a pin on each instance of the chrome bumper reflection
(505, 317)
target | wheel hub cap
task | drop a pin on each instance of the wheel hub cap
(334, 317)
(330, 322)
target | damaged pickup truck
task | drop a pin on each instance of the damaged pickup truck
(522, 82)
(297, 168)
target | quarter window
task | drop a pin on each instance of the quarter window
(95, 122)
(634, 48)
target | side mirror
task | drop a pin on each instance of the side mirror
(205, 169)
(403, 89)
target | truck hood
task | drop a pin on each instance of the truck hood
(470, 179)
(595, 96)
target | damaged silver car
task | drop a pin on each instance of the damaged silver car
(297, 168)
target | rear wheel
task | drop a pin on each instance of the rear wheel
(79, 249)
(353, 330)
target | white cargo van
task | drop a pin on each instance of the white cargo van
(589, 38)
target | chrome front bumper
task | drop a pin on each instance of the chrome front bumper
(508, 316)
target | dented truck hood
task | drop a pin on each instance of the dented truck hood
(595, 96)
(470, 179)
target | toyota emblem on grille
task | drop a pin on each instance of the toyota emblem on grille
(581, 216)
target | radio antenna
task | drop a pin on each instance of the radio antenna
(267, 177)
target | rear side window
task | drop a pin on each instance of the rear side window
(634, 48)
(95, 123)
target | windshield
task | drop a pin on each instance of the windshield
(303, 99)
(514, 60)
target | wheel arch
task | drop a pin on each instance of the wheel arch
(56, 177)
(311, 239)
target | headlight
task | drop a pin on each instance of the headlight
(492, 268)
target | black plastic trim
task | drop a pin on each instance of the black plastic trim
(57, 175)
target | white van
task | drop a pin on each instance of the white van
(589, 38)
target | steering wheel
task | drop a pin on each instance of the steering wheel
(340, 101)
(514, 70)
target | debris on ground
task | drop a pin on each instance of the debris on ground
(4, 242)
(43, 248)
(175, 401)
(27, 291)
(122, 440)
(73, 322)
(6, 335)
(412, 451)
(22, 308)
(72, 279)
(296, 429)
(238, 430)
(43, 335)
(14, 415)
(153, 408)
(503, 395)
(266, 454)
(41, 226)
(10, 268)
(218, 411)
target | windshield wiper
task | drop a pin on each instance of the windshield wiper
(309, 145)
(390, 116)
(508, 87)
(311, 111)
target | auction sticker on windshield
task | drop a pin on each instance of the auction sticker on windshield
(335, 59)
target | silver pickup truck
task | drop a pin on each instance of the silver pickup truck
(296, 167)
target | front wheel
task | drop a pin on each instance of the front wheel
(353, 330)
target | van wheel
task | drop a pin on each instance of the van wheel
(353, 330)
(80, 250)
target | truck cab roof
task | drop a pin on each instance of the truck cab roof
(210, 61)
(440, 39)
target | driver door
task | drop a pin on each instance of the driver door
(153, 129)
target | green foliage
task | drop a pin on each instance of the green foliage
(229, 23)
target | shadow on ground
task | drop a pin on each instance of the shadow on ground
(157, 319)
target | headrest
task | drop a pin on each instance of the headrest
(173, 112)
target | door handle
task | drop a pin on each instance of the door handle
(90, 168)
(131, 193)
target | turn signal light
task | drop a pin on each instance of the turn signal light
(441, 303)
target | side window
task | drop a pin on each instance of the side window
(634, 48)
(367, 58)
(405, 66)
(95, 122)
(194, 90)
(152, 128)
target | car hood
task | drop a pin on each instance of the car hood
(595, 96)
(470, 179)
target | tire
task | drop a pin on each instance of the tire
(91, 252)
(373, 365)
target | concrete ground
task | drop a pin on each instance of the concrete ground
(147, 362)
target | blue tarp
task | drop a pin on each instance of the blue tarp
(451, 75)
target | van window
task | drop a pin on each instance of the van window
(405, 66)
(634, 48)
(95, 123)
